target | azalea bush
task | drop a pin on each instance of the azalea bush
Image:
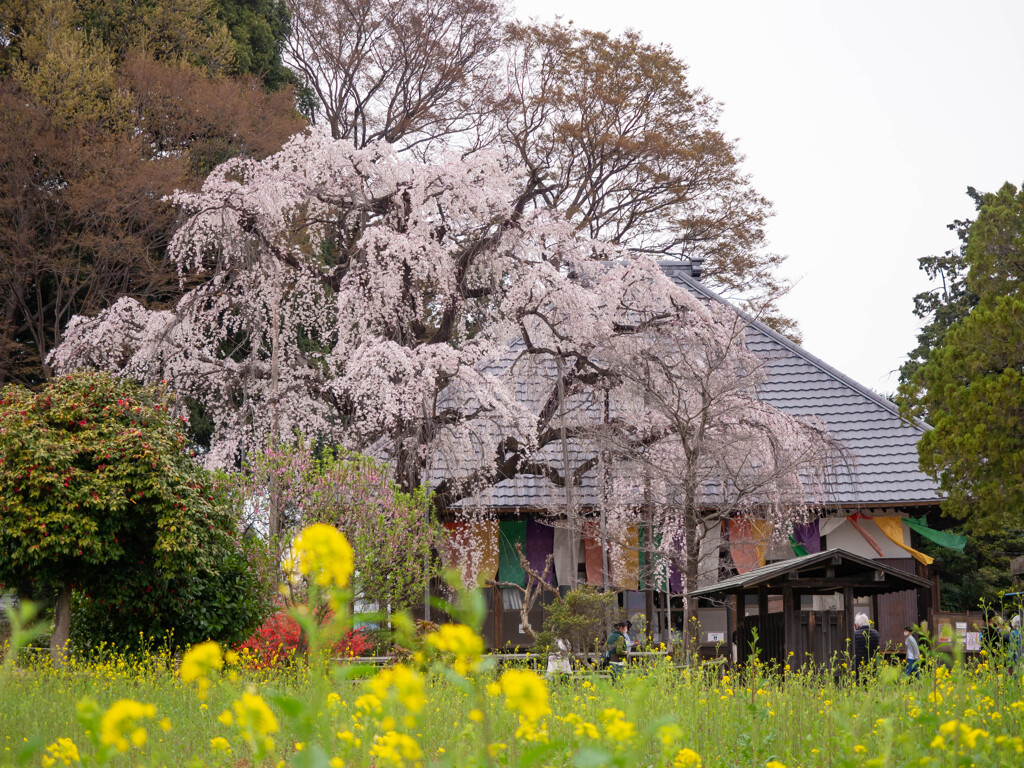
(449, 704)
(279, 640)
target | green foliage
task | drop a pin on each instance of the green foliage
(140, 604)
(971, 384)
(579, 618)
(979, 573)
(259, 29)
(941, 307)
(98, 492)
(392, 533)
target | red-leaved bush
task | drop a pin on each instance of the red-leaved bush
(277, 641)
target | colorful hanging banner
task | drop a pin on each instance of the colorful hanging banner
(510, 568)
(892, 527)
(566, 549)
(863, 533)
(540, 542)
(625, 559)
(942, 538)
(650, 565)
(748, 542)
(798, 549)
(808, 536)
(593, 554)
(473, 549)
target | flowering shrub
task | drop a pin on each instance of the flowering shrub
(279, 638)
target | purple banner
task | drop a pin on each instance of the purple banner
(808, 535)
(540, 542)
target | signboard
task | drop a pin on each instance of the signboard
(961, 631)
(945, 633)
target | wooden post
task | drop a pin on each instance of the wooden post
(789, 626)
(874, 612)
(848, 612)
(762, 621)
(741, 626)
(499, 616)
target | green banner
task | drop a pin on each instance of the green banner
(798, 549)
(942, 538)
(660, 582)
(510, 568)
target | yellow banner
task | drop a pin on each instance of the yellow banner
(892, 527)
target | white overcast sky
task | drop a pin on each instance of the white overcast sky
(864, 123)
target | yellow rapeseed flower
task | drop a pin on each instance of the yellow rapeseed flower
(949, 727)
(407, 683)
(253, 714)
(525, 693)
(198, 662)
(119, 724)
(669, 734)
(461, 641)
(220, 744)
(63, 750)
(322, 553)
(616, 727)
(686, 758)
(395, 749)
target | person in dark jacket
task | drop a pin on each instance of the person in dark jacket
(865, 641)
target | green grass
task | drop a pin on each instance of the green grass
(746, 719)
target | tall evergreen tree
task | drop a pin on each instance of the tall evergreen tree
(970, 384)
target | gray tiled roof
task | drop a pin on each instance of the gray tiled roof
(882, 448)
(846, 563)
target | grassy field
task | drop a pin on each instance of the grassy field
(451, 708)
(449, 705)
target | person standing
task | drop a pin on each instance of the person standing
(615, 649)
(1016, 649)
(865, 641)
(913, 653)
(628, 634)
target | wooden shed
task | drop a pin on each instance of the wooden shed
(812, 635)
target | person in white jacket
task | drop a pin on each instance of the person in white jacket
(913, 653)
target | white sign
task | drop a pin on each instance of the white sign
(716, 637)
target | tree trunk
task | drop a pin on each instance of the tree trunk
(61, 627)
(692, 573)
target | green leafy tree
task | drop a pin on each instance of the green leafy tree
(978, 574)
(578, 618)
(259, 30)
(97, 490)
(944, 305)
(971, 384)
